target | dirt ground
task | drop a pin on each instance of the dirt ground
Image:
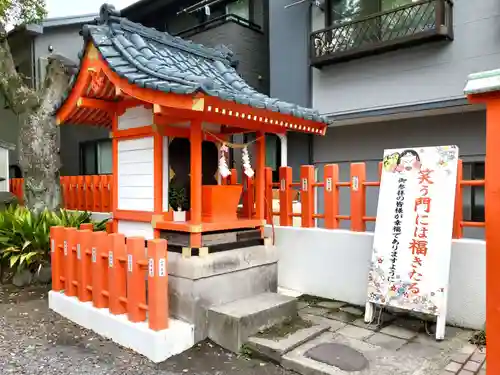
(35, 340)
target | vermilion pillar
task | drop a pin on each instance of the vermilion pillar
(485, 88)
(492, 215)
(260, 153)
(196, 195)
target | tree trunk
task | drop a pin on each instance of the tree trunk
(38, 133)
(39, 161)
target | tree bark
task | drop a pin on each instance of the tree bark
(38, 133)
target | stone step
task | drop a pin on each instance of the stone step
(231, 324)
(283, 338)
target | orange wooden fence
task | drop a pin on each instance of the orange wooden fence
(85, 193)
(109, 271)
(331, 184)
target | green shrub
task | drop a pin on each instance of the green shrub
(24, 236)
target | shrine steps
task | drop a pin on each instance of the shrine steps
(231, 324)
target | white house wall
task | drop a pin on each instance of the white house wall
(136, 174)
(135, 118)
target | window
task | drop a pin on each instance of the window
(473, 197)
(96, 157)
(348, 10)
(239, 8)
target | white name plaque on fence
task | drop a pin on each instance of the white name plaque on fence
(412, 243)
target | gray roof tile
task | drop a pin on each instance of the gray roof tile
(153, 59)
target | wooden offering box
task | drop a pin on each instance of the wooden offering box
(220, 202)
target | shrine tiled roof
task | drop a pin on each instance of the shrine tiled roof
(157, 60)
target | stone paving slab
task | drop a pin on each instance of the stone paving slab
(274, 348)
(469, 360)
(400, 332)
(334, 325)
(385, 341)
(381, 361)
(355, 332)
(313, 310)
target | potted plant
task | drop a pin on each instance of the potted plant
(177, 200)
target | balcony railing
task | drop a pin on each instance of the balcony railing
(415, 23)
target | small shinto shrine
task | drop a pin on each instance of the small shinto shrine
(170, 106)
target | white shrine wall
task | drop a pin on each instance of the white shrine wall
(334, 264)
(135, 177)
(135, 118)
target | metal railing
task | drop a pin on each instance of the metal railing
(354, 37)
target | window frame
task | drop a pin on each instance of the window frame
(329, 20)
(81, 151)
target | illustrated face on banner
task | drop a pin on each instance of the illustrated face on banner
(408, 160)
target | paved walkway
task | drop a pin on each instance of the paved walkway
(390, 345)
(34, 340)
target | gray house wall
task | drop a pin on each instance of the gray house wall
(290, 77)
(22, 54)
(428, 73)
(344, 145)
(249, 48)
(68, 42)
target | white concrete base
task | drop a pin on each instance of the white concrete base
(156, 346)
(289, 292)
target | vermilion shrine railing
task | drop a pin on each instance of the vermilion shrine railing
(331, 184)
(93, 193)
(85, 193)
(112, 272)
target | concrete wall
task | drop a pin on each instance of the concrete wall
(334, 264)
(429, 73)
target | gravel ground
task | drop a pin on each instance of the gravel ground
(34, 340)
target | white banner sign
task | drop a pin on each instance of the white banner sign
(412, 244)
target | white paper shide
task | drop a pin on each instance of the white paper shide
(412, 244)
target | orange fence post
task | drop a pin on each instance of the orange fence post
(117, 274)
(285, 196)
(73, 195)
(109, 226)
(233, 178)
(358, 197)
(96, 194)
(108, 193)
(331, 195)
(248, 196)
(268, 195)
(100, 246)
(57, 259)
(459, 213)
(136, 283)
(80, 196)
(307, 195)
(157, 284)
(83, 253)
(87, 226)
(88, 192)
(69, 262)
(64, 191)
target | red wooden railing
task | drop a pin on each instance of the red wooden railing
(93, 193)
(85, 193)
(110, 271)
(331, 185)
